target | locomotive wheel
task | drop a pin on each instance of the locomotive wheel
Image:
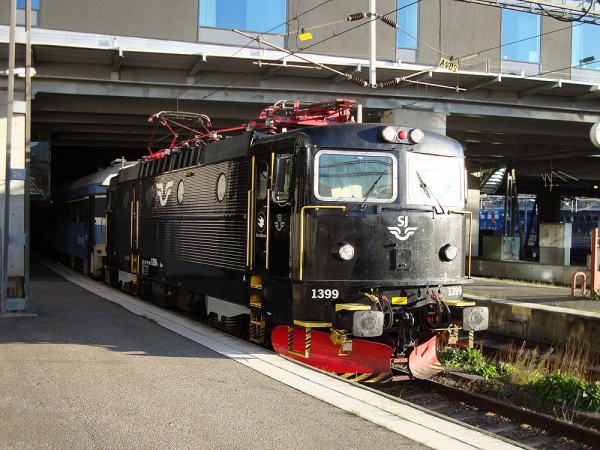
(232, 325)
(236, 326)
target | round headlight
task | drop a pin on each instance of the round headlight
(449, 252)
(388, 134)
(345, 252)
(416, 135)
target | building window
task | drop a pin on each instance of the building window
(249, 15)
(408, 20)
(35, 12)
(520, 36)
(586, 53)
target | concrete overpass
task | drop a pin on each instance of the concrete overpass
(93, 92)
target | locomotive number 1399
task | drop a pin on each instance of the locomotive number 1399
(325, 293)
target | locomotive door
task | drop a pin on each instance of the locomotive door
(272, 206)
(281, 196)
(135, 231)
(261, 214)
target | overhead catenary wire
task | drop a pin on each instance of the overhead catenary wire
(460, 58)
(474, 54)
(246, 46)
(542, 8)
(391, 23)
(244, 75)
(353, 78)
(187, 88)
(350, 77)
(581, 64)
(358, 16)
(566, 19)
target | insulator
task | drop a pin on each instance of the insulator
(358, 80)
(356, 16)
(388, 83)
(388, 21)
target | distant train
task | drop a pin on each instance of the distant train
(79, 232)
(341, 244)
(582, 222)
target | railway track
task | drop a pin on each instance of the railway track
(512, 424)
(516, 425)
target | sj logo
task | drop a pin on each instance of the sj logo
(261, 222)
(166, 192)
(279, 223)
(402, 232)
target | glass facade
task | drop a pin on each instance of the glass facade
(263, 16)
(408, 21)
(586, 50)
(35, 4)
(35, 12)
(520, 36)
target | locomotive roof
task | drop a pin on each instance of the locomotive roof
(366, 136)
(92, 184)
(362, 136)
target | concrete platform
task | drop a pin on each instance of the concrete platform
(92, 373)
(526, 270)
(541, 312)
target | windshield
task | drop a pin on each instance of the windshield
(435, 180)
(356, 176)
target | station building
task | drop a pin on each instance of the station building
(518, 86)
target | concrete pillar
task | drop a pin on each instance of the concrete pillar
(555, 243)
(16, 217)
(554, 237)
(473, 203)
(15, 113)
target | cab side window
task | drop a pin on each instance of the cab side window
(283, 180)
(261, 180)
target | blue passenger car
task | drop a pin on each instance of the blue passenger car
(79, 235)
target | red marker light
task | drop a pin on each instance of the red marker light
(402, 134)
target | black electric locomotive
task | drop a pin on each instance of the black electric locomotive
(342, 245)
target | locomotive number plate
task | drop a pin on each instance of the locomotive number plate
(454, 292)
(325, 293)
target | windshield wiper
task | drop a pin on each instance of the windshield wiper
(364, 203)
(429, 193)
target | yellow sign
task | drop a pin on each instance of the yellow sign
(305, 36)
(452, 66)
(399, 300)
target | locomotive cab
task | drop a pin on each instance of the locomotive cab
(363, 230)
